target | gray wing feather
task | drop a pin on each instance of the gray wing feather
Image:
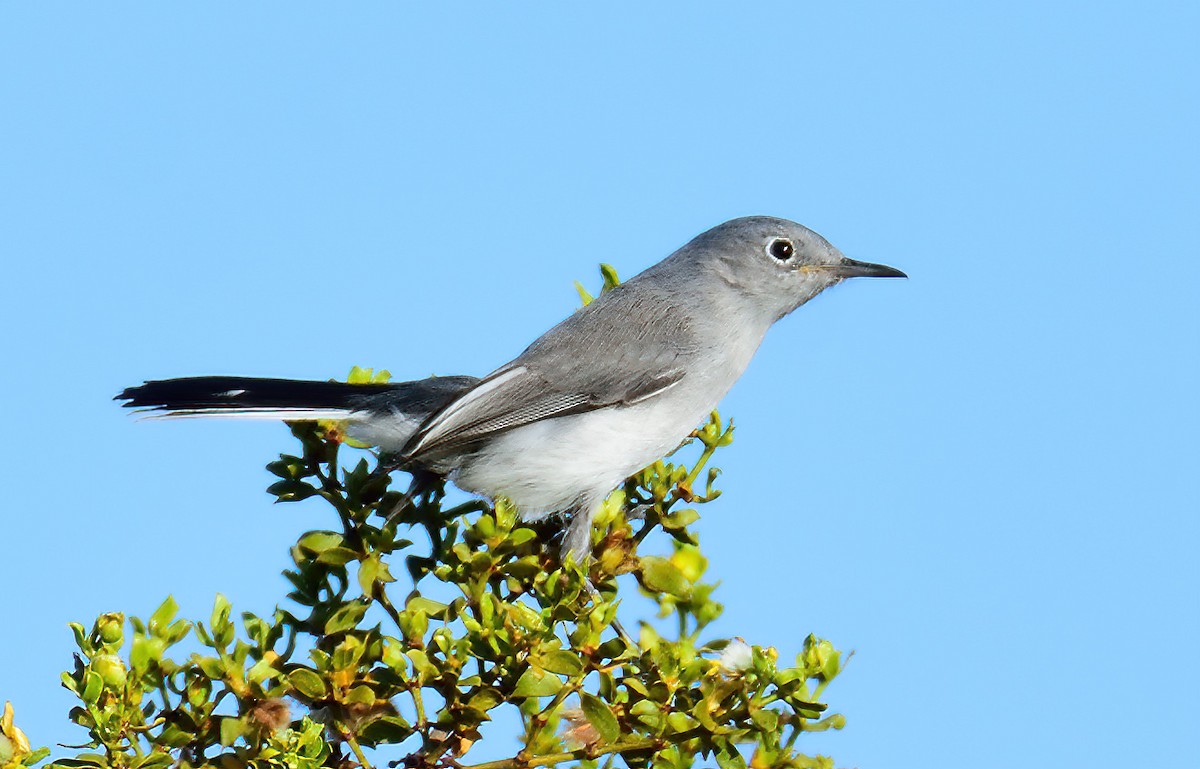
(626, 347)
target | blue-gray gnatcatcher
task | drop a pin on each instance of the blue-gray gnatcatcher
(611, 389)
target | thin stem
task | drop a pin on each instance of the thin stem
(136, 744)
(162, 690)
(147, 727)
(791, 741)
(557, 758)
(382, 599)
(358, 751)
(569, 688)
(419, 704)
(644, 532)
(700, 463)
(474, 506)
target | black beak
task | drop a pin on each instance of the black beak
(851, 268)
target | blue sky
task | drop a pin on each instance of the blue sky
(982, 480)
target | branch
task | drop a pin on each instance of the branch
(516, 762)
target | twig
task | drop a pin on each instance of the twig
(358, 751)
(557, 758)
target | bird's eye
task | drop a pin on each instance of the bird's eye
(781, 249)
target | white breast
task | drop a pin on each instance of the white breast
(547, 466)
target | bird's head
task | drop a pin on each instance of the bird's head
(775, 263)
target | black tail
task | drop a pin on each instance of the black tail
(289, 398)
(217, 393)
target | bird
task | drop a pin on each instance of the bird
(611, 389)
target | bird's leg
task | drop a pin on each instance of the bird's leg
(406, 500)
(386, 463)
(577, 540)
(577, 536)
(419, 483)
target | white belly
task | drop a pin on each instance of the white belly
(550, 465)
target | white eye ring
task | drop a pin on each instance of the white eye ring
(781, 249)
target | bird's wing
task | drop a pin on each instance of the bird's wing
(595, 359)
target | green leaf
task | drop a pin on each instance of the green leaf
(144, 651)
(371, 571)
(360, 375)
(766, 720)
(832, 664)
(421, 664)
(80, 635)
(110, 669)
(414, 624)
(345, 618)
(609, 273)
(92, 686)
(730, 759)
(560, 661)
(198, 691)
(261, 671)
(160, 620)
(348, 653)
(231, 729)
(210, 666)
(317, 542)
(83, 761)
(600, 716)
(175, 737)
(680, 722)
(307, 682)
(521, 536)
(291, 491)
(690, 562)
(361, 695)
(288, 467)
(635, 685)
(431, 608)
(647, 713)
(393, 656)
(387, 729)
(662, 576)
(680, 518)
(222, 628)
(805, 708)
(702, 714)
(536, 683)
(485, 699)
(835, 721)
(177, 631)
(337, 556)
